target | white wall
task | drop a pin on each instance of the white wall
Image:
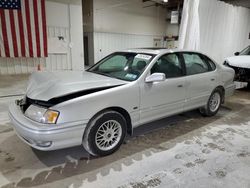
(125, 24)
(119, 16)
(62, 20)
(57, 14)
(172, 29)
(106, 43)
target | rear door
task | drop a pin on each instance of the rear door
(200, 80)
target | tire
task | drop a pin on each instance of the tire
(213, 104)
(105, 133)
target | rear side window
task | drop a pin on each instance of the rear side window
(211, 63)
(195, 64)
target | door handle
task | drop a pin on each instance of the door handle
(180, 85)
(212, 79)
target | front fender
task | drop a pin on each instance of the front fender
(85, 107)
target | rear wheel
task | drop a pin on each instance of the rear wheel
(213, 104)
(105, 133)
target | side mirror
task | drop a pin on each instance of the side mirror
(156, 77)
(237, 53)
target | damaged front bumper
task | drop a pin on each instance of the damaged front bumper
(46, 136)
(242, 74)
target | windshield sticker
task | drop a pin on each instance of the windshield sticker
(131, 76)
(143, 56)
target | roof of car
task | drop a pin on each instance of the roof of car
(161, 51)
(155, 51)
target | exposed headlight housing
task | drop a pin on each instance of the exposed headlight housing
(41, 114)
(226, 63)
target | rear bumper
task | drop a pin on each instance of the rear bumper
(44, 137)
(229, 90)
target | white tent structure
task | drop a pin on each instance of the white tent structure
(214, 27)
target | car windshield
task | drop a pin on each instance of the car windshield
(246, 51)
(123, 65)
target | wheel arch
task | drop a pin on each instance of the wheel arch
(220, 87)
(123, 112)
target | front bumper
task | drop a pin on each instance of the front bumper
(46, 137)
(241, 74)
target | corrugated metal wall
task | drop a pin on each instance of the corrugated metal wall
(28, 65)
(106, 43)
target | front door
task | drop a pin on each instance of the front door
(160, 99)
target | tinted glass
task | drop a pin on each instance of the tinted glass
(121, 65)
(169, 65)
(117, 62)
(211, 63)
(195, 64)
(246, 51)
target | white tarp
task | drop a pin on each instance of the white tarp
(218, 29)
(190, 26)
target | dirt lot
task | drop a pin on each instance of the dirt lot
(187, 150)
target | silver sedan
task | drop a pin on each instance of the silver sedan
(98, 107)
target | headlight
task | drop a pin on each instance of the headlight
(42, 115)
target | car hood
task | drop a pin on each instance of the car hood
(242, 61)
(47, 85)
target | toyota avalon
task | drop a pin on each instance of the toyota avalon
(96, 108)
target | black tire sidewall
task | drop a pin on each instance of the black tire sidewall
(98, 121)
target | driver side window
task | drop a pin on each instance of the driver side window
(168, 64)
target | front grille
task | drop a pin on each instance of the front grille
(26, 102)
(23, 104)
(26, 105)
(241, 74)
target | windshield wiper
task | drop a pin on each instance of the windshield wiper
(108, 75)
(96, 72)
(99, 73)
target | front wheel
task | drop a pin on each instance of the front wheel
(213, 104)
(105, 133)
